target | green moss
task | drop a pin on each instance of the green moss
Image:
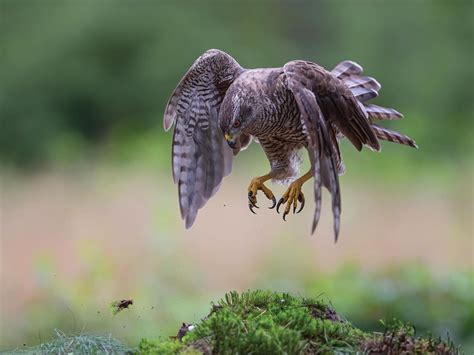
(161, 347)
(264, 322)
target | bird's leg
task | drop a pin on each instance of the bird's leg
(294, 194)
(257, 184)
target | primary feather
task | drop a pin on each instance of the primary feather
(199, 156)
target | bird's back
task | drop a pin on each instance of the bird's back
(280, 112)
(261, 80)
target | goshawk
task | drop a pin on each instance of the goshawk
(218, 108)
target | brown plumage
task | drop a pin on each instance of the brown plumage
(300, 105)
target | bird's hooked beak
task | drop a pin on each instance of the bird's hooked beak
(230, 140)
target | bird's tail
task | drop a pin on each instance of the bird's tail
(365, 88)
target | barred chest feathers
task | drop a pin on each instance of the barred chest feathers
(279, 128)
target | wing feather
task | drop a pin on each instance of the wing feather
(321, 149)
(332, 106)
(328, 106)
(382, 113)
(347, 68)
(200, 156)
(393, 136)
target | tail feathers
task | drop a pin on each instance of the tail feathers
(382, 113)
(393, 136)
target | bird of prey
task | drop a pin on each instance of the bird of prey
(219, 107)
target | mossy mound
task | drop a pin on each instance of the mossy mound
(264, 322)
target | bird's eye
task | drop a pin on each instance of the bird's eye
(236, 123)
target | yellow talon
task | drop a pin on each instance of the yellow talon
(255, 185)
(294, 195)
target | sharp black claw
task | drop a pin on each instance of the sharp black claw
(274, 200)
(280, 201)
(302, 200)
(284, 215)
(251, 202)
(250, 195)
(251, 208)
(294, 208)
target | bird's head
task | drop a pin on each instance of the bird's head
(236, 118)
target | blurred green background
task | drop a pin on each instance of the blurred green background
(89, 212)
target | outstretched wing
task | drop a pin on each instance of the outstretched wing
(199, 154)
(327, 106)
